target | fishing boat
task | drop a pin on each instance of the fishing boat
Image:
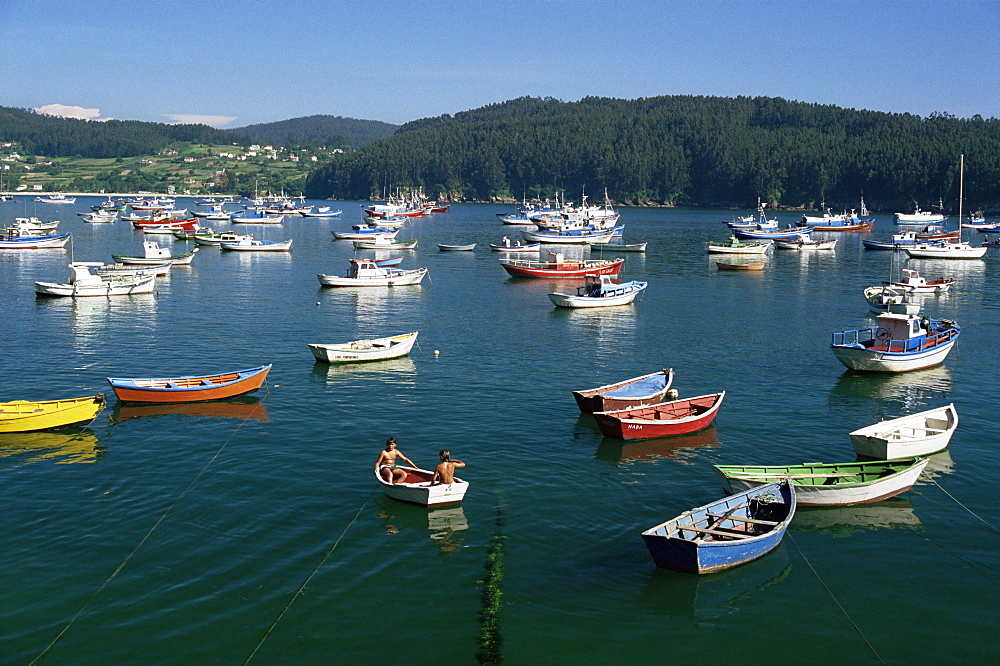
(788, 232)
(740, 265)
(382, 243)
(160, 220)
(725, 533)
(255, 217)
(111, 270)
(28, 416)
(366, 233)
(366, 273)
(935, 233)
(323, 211)
(560, 267)
(254, 245)
(900, 342)
(417, 488)
(84, 282)
(56, 199)
(587, 235)
(735, 246)
(920, 217)
(599, 291)
(516, 246)
(860, 225)
(677, 417)
(15, 241)
(912, 282)
(829, 484)
(647, 389)
(189, 388)
(457, 248)
(920, 434)
(359, 351)
(619, 247)
(957, 250)
(32, 226)
(898, 242)
(154, 254)
(805, 244)
(100, 217)
(218, 238)
(389, 261)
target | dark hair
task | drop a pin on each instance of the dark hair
(445, 455)
(390, 440)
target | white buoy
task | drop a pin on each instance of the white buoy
(437, 352)
(317, 303)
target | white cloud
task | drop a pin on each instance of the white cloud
(64, 111)
(195, 119)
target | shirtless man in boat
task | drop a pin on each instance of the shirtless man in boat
(445, 471)
(386, 464)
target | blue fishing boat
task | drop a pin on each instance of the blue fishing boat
(901, 341)
(898, 242)
(726, 533)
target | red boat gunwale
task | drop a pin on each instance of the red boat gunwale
(677, 417)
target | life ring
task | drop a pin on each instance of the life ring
(882, 334)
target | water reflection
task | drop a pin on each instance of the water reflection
(399, 370)
(893, 395)
(244, 407)
(845, 520)
(683, 448)
(937, 465)
(688, 595)
(445, 524)
(73, 445)
(373, 306)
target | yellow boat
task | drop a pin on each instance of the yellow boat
(24, 416)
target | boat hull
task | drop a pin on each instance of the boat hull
(573, 301)
(404, 278)
(688, 415)
(826, 485)
(676, 545)
(26, 416)
(566, 269)
(416, 489)
(868, 360)
(120, 287)
(192, 388)
(361, 351)
(643, 390)
(919, 434)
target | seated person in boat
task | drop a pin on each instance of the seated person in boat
(445, 471)
(386, 463)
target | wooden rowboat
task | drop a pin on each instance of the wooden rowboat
(360, 351)
(918, 434)
(456, 248)
(25, 416)
(643, 390)
(726, 533)
(836, 484)
(665, 419)
(416, 488)
(740, 266)
(190, 388)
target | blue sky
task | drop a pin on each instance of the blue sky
(237, 62)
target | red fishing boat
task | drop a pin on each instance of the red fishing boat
(677, 417)
(159, 221)
(559, 267)
(191, 388)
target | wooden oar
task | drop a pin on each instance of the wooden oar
(726, 515)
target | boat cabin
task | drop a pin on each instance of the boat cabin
(154, 251)
(596, 286)
(366, 268)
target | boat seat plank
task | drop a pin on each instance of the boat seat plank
(755, 521)
(719, 533)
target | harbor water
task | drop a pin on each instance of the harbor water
(253, 529)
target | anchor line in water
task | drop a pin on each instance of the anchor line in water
(305, 583)
(955, 499)
(832, 596)
(144, 539)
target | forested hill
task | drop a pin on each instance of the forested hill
(679, 149)
(65, 137)
(330, 131)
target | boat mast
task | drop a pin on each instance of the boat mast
(961, 186)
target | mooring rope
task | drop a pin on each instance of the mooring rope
(955, 499)
(832, 596)
(490, 638)
(304, 584)
(152, 529)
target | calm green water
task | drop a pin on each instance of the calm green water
(253, 528)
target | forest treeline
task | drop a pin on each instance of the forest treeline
(52, 136)
(679, 150)
(319, 130)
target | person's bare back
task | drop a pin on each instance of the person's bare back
(445, 471)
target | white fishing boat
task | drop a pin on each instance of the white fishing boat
(56, 199)
(735, 246)
(84, 282)
(417, 488)
(111, 270)
(599, 291)
(212, 238)
(32, 226)
(371, 233)
(805, 244)
(254, 245)
(912, 282)
(517, 246)
(572, 236)
(879, 299)
(920, 217)
(366, 273)
(359, 351)
(918, 434)
(154, 254)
